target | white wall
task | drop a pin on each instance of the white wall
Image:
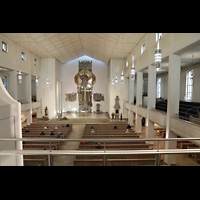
(170, 43)
(67, 73)
(196, 91)
(11, 59)
(116, 67)
(50, 69)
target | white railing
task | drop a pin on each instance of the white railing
(157, 152)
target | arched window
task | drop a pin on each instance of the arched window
(189, 85)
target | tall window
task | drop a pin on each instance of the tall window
(189, 85)
(126, 63)
(158, 36)
(142, 48)
(4, 79)
(159, 87)
(35, 62)
(4, 47)
(23, 57)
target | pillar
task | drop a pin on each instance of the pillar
(125, 113)
(139, 101)
(151, 99)
(13, 84)
(173, 101)
(28, 91)
(131, 90)
(130, 117)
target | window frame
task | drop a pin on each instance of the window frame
(23, 56)
(189, 85)
(143, 48)
(159, 80)
(4, 44)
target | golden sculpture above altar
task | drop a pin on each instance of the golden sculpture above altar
(85, 80)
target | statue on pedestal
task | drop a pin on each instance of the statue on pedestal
(117, 107)
(46, 112)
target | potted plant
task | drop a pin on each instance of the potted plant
(113, 114)
(64, 118)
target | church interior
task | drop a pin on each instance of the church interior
(100, 99)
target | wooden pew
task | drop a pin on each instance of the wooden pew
(115, 162)
(105, 131)
(35, 160)
(113, 146)
(34, 132)
(34, 146)
(185, 144)
(110, 136)
(196, 156)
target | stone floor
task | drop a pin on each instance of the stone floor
(79, 122)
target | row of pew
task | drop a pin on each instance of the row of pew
(107, 131)
(43, 130)
(189, 145)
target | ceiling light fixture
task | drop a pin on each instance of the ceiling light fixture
(19, 74)
(158, 54)
(133, 69)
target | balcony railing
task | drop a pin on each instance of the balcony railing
(157, 151)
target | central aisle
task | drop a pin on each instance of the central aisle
(78, 122)
(76, 133)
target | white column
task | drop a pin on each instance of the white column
(139, 88)
(130, 119)
(131, 90)
(38, 95)
(151, 99)
(13, 84)
(139, 100)
(29, 98)
(131, 99)
(173, 101)
(125, 113)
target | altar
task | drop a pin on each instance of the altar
(83, 113)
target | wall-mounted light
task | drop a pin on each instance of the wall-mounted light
(116, 81)
(36, 80)
(122, 78)
(47, 82)
(132, 72)
(112, 82)
(20, 77)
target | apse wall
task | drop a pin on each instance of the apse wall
(67, 73)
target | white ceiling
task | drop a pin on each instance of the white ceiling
(68, 46)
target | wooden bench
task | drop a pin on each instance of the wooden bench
(116, 156)
(185, 144)
(107, 131)
(46, 135)
(53, 146)
(114, 146)
(110, 136)
(196, 156)
(35, 162)
(115, 162)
